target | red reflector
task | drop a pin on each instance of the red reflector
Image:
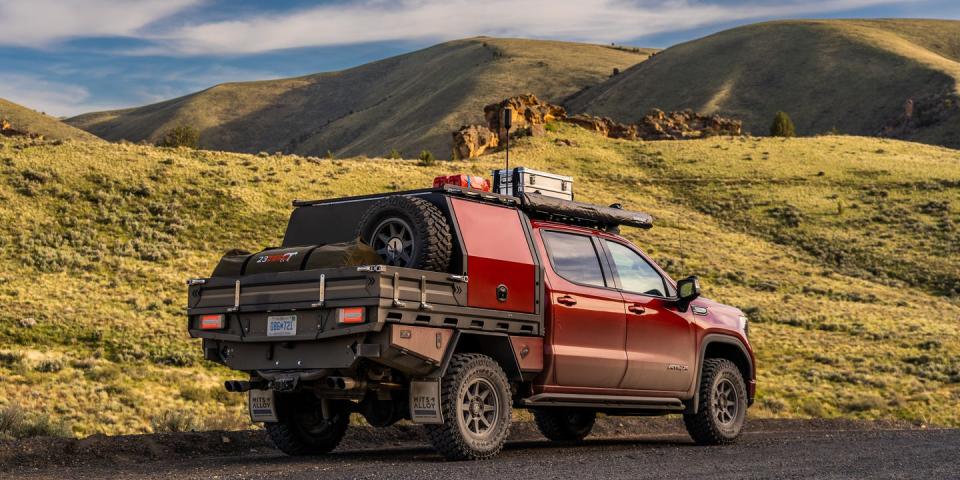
(350, 315)
(461, 180)
(211, 322)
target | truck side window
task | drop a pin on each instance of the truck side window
(636, 275)
(574, 257)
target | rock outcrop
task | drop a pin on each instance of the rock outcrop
(7, 130)
(472, 141)
(530, 115)
(527, 113)
(659, 125)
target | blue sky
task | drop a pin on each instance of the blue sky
(66, 57)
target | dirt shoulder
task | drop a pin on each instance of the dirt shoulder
(104, 451)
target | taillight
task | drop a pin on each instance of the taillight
(350, 315)
(212, 322)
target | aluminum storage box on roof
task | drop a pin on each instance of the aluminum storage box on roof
(522, 180)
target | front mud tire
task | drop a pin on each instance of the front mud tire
(723, 404)
(475, 401)
(302, 430)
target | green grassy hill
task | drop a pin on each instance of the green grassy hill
(851, 76)
(24, 119)
(409, 102)
(843, 250)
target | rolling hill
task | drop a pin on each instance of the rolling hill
(409, 102)
(843, 250)
(24, 119)
(847, 76)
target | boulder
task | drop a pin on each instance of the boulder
(589, 122)
(527, 111)
(471, 141)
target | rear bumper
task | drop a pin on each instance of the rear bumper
(412, 350)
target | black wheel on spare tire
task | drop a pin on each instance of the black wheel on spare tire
(723, 404)
(302, 430)
(475, 402)
(564, 424)
(408, 232)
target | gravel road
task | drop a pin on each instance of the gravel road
(627, 448)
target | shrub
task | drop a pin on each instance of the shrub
(181, 136)
(10, 359)
(15, 424)
(174, 421)
(782, 126)
(427, 159)
(394, 154)
(193, 393)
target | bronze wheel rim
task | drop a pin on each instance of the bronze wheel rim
(726, 404)
(479, 408)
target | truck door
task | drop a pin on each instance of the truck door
(660, 340)
(588, 327)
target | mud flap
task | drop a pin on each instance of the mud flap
(425, 402)
(263, 406)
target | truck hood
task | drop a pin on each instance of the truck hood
(720, 315)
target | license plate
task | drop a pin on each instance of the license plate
(282, 326)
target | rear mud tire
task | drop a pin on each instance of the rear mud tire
(302, 429)
(723, 404)
(564, 424)
(475, 401)
(408, 232)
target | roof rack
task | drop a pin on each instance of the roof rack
(560, 210)
(533, 204)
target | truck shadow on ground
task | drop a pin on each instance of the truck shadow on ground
(425, 454)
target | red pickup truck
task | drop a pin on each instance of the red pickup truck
(450, 307)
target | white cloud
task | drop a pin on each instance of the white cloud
(377, 20)
(53, 98)
(38, 23)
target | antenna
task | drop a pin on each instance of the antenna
(507, 123)
(683, 258)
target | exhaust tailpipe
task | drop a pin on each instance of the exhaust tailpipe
(237, 386)
(342, 383)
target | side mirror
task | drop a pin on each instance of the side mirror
(688, 289)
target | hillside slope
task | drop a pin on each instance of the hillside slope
(843, 250)
(409, 102)
(854, 76)
(24, 119)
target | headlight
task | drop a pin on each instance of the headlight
(744, 325)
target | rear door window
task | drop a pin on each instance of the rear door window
(635, 273)
(574, 258)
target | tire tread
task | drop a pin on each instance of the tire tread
(436, 240)
(700, 425)
(446, 438)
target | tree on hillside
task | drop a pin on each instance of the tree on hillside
(427, 159)
(782, 126)
(181, 136)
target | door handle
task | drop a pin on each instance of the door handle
(567, 300)
(638, 309)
